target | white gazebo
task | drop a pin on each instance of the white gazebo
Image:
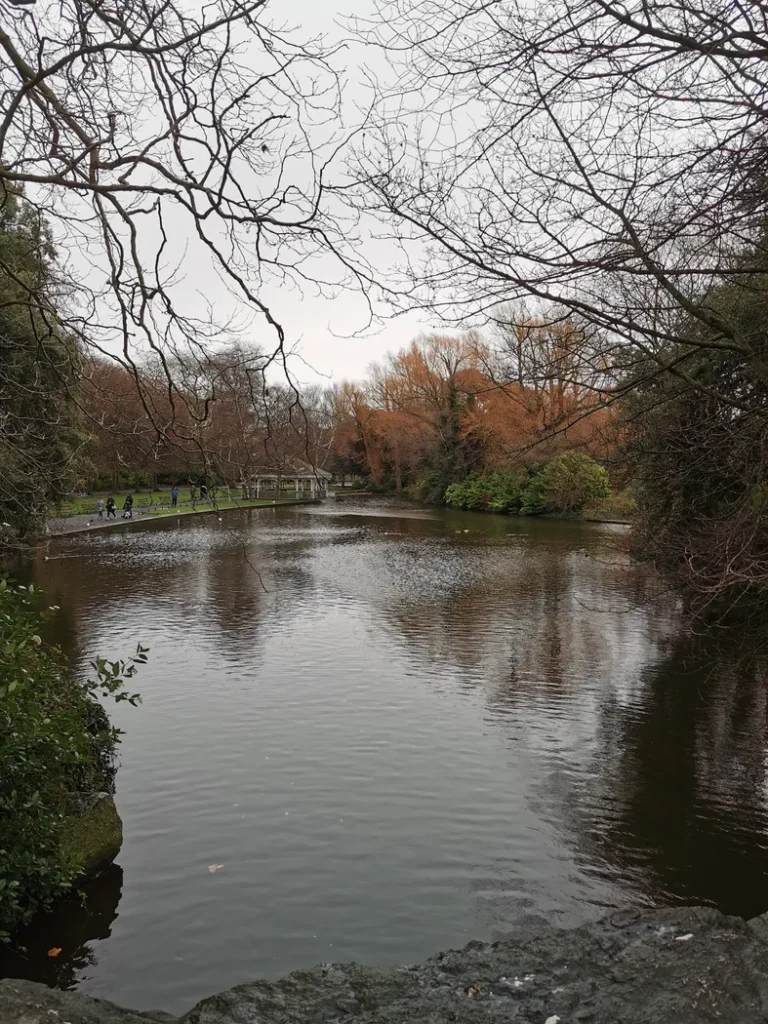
(297, 480)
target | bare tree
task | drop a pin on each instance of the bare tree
(156, 137)
(605, 158)
(179, 156)
(228, 424)
(556, 361)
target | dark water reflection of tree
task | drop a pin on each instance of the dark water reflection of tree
(672, 798)
(78, 922)
(684, 773)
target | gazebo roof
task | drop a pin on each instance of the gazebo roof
(295, 469)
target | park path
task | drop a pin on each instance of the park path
(61, 526)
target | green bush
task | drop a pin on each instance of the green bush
(572, 482)
(532, 502)
(55, 740)
(565, 485)
(500, 491)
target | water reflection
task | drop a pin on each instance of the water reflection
(76, 926)
(682, 771)
(399, 729)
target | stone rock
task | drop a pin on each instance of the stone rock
(630, 968)
(79, 804)
(681, 966)
(94, 833)
(26, 1002)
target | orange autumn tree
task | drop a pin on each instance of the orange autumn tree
(408, 416)
(121, 417)
(552, 366)
(355, 448)
(222, 422)
(433, 384)
(449, 406)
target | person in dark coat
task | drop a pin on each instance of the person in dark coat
(111, 508)
(128, 507)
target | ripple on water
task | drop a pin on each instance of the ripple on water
(395, 736)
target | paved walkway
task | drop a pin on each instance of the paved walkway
(62, 525)
(81, 524)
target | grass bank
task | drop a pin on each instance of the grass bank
(84, 505)
(85, 523)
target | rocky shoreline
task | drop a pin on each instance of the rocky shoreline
(675, 966)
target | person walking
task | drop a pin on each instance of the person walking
(111, 508)
(203, 492)
(174, 496)
(128, 506)
(100, 508)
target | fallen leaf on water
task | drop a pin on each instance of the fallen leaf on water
(683, 938)
(213, 868)
(472, 990)
(554, 1019)
(55, 951)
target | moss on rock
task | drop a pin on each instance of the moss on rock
(94, 838)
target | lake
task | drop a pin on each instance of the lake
(388, 730)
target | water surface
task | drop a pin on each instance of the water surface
(396, 729)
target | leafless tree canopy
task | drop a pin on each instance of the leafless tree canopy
(604, 162)
(177, 156)
(170, 145)
(605, 157)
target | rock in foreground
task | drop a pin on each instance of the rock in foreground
(661, 967)
(26, 1002)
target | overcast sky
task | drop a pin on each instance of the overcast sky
(322, 331)
(331, 338)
